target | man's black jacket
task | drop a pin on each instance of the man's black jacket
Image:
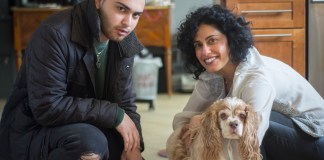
(55, 84)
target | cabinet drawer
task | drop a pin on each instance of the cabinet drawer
(271, 13)
(287, 45)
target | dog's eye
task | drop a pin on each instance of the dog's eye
(223, 116)
(242, 116)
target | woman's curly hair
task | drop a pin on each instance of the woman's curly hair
(235, 28)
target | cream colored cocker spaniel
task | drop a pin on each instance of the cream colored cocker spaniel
(228, 119)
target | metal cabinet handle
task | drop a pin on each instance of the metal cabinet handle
(273, 35)
(267, 11)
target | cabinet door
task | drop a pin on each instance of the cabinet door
(287, 45)
(270, 13)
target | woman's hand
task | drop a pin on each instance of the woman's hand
(129, 132)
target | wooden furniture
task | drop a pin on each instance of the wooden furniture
(25, 21)
(153, 29)
(278, 27)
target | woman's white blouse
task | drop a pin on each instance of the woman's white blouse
(266, 84)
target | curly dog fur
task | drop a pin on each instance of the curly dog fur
(209, 136)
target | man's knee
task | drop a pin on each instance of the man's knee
(93, 144)
(90, 156)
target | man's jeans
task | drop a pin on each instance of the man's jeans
(69, 142)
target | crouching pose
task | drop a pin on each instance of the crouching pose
(218, 50)
(73, 95)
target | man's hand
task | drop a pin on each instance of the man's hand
(131, 155)
(129, 132)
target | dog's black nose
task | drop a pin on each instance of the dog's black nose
(233, 125)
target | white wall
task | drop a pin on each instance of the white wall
(182, 7)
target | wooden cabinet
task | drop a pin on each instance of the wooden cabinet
(25, 21)
(278, 28)
(153, 29)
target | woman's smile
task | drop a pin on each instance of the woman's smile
(211, 48)
(211, 60)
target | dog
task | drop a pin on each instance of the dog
(226, 120)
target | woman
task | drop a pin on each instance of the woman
(219, 51)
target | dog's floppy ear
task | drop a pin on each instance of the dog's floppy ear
(179, 152)
(211, 133)
(249, 144)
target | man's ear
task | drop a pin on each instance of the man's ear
(97, 2)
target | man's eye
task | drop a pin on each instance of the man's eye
(136, 16)
(122, 9)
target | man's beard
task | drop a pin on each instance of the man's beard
(104, 30)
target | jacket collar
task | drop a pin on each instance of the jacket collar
(130, 45)
(84, 28)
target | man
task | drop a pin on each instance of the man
(73, 95)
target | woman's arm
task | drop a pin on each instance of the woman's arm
(260, 95)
